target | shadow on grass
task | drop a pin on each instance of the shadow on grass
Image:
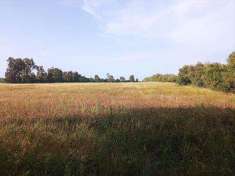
(153, 141)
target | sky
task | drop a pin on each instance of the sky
(120, 37)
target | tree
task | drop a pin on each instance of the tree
(68, 76)
(20, 70)
(231, 60)
(110, 78)
(55, 75)
(27, 74)
(12, 72)
(76, 76)
(122, 79)
(41, 74)
(97, 78)
(216, 76)
(230, 77)
(84, 79)
(184, 76)
(161, 78)
(132, 78)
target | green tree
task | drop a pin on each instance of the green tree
(68, 76)
(55, 75)
(161, 78)
(231, 60)
(184, 75)
(20, 70)
(97, 78)
(110, 78)
(122, 79)
(41, 74)
(132, 78)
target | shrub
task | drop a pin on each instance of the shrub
(215, 76)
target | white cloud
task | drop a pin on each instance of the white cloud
(177, 20)
(196, 28)
(100, 9)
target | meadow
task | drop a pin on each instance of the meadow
(115, 129)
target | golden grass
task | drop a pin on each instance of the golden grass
(90, 99)
(115, 129)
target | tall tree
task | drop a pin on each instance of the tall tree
(20, 70)
(97, 78)
(12, 73)
(68, 76)
(41, 74)
(231, 60)
(76, 76)
(132, 78)
(55, 75)
(110, 78)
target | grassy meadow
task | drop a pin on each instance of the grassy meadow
(115, 129)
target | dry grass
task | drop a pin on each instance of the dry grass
(115, 129)
(60, 100)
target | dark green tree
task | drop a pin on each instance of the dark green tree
(41, 74)
(20, 70)
(122, 79)
(184, 75)
(55, 75)
(231, 60)
(68, 76)
(97, 78)
(132, 78)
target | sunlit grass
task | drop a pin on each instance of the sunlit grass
(115, 129)
(56, 100)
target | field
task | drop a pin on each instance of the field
(115, 129)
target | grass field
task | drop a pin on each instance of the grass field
(115, 129)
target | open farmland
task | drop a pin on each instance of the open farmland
(116, 129)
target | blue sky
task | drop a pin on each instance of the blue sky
(120, 37)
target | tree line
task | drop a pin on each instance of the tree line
(162, 78)
(216, 76)
(26, 71)
(210, 75)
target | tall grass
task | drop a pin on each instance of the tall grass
(116, 129)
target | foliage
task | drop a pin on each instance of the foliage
(132, 78)
(161, 78)
(26, 71)
(55, 75)
(231, 60)
(110, 78)
(20, 70)
(215, 76)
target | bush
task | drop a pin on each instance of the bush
(216, 76)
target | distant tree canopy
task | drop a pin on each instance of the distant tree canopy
(211, 75)
(132, 78)
(231, 60)
(162, 78)
(26, 71)
(216, 76)
(20, 70)
(110, 78)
